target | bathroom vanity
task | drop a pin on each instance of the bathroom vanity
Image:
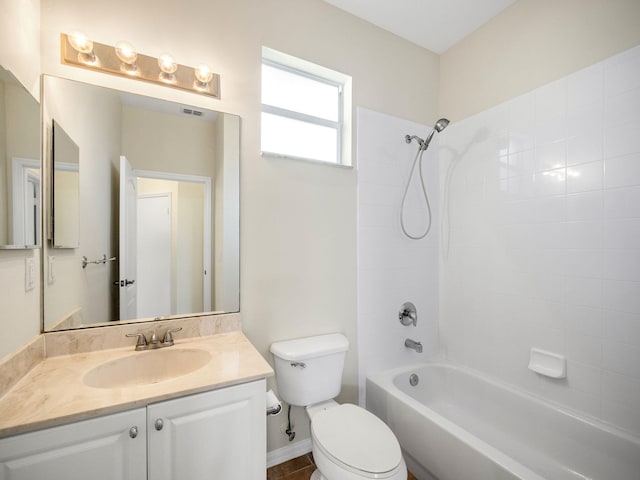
(99, 424)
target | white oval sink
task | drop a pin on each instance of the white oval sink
(145, 368)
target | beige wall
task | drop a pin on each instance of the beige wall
(168, 143)
(298, 220)
(19, 53)
(531, 43)
(20, 45)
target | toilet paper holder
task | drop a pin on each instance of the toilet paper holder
(274, 407)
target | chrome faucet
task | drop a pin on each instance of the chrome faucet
(154, 342)
(417, 346)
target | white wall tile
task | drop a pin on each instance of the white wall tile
(622, 72)
(585, 148)
(621, 295)
(584, 206)
(391, 268)
(586, 120)
(623, 108)
(549, 252)
(585, 177)
(583, 291)
(584, 235)
(622, 202)
(622, 265)
(621, 140)
(551, 182)
(621, 326)
(586, 87)
(622, 171)
(583, 262)
(521, 121)
(551, 156)
(621, 358)
(622, 233)
(620, 388)
(583, 320)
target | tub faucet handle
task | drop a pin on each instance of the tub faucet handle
(408, 314)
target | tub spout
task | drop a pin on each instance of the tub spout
(417, 346)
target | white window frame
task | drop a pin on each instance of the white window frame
(320, 74)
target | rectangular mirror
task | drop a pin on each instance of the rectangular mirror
(65, 189)
(20, 172)
(158, 209)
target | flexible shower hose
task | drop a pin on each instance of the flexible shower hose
(417, 159)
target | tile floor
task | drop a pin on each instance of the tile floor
(299, 468)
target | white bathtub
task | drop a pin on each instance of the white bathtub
(457, 424)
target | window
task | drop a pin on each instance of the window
(303, 110)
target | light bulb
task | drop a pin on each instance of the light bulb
(128, 55)
(80, 42)
(203, 74)
(84, 47)
(167, 64)
(126, 52)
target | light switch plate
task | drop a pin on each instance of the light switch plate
(29, 274)
(51, 271)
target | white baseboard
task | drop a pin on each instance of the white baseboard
(288, 452)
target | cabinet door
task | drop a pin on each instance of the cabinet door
(101, 448)
(217, 435)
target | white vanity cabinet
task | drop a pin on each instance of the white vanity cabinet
(220, 434)
(112, 447)
(217, 435)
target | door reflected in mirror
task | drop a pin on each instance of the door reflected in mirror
(158, 208)
(20, 172)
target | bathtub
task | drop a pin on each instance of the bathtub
(457, 424)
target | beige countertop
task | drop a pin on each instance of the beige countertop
(53, 392)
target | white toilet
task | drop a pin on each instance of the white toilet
(348, 442)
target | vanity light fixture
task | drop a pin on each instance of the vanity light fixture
(123, 59)
(128, 56)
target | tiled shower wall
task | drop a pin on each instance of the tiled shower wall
(393, 269)
(541, 239)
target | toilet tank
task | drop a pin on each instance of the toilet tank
(309, 370)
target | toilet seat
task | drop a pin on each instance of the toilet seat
(357, 441)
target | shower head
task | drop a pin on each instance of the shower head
(438, 127)
(441, 125)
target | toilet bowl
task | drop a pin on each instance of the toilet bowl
(348, 442)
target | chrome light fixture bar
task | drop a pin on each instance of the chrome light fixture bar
(123, 60)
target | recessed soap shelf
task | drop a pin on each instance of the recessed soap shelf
(548, 364)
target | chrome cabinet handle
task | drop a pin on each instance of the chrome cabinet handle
(133, 432)
(159, 424)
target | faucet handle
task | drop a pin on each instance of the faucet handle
(141, 344)
(168, 338)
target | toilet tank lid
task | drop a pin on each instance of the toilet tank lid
(310, 347)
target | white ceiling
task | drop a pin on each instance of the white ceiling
(433, 24)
